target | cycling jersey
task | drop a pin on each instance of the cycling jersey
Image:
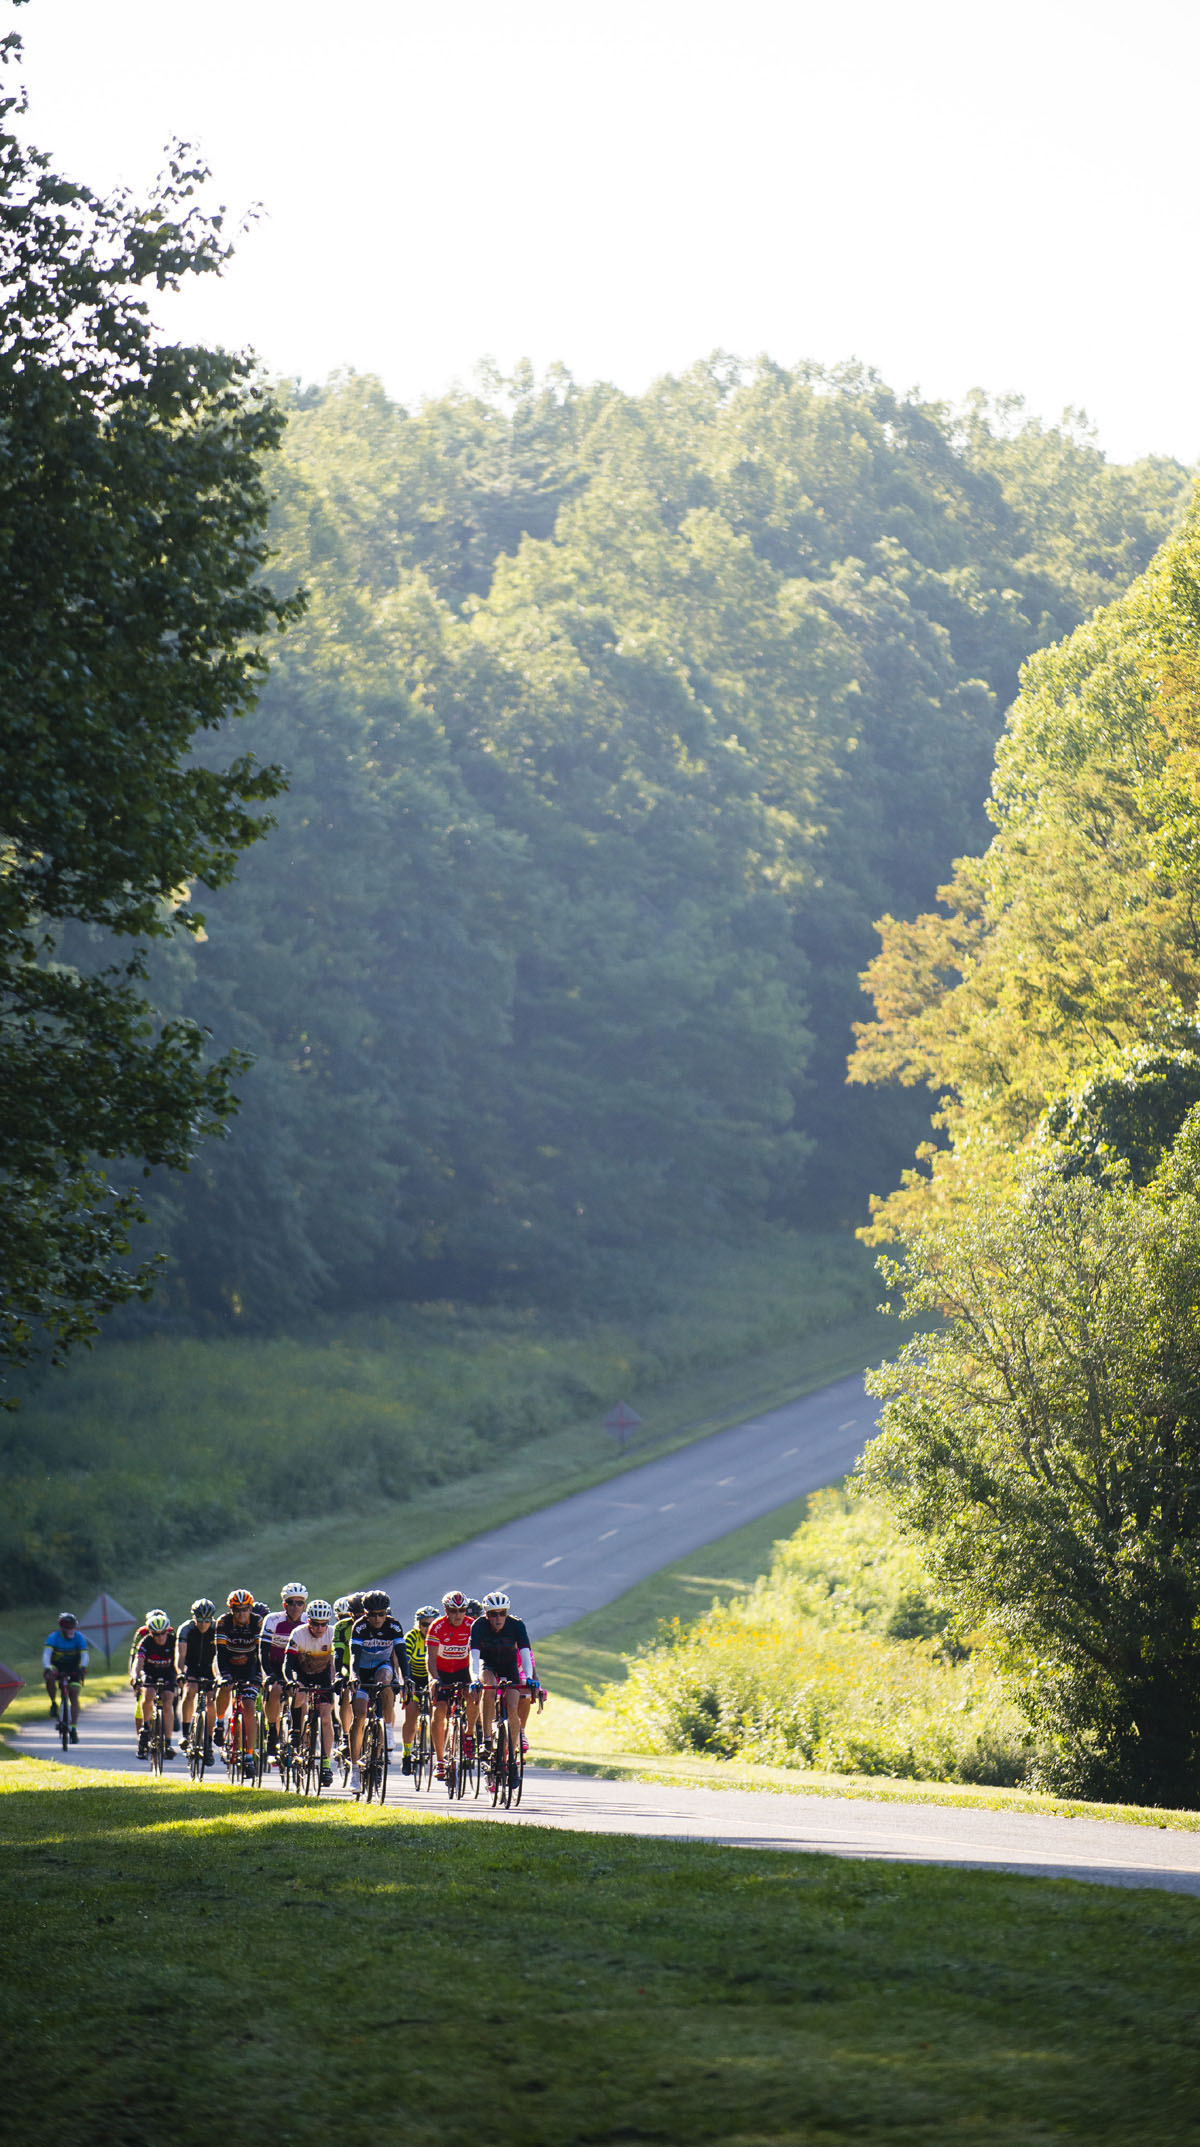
(135, 1644)
(505, 1651)
(371, 1645)
(199, 1649)
(277, 1630)
(65, 1651)
(236, 1649)
(341, 1645)
(415, 1657)
(310, 1655)
(156, 1658)
(453, 1645)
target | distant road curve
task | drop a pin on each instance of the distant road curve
(581, 1553)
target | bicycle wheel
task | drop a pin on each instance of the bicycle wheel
(516, 1771)
(498, 1763)
(157, 1737)
(313, 1753)
(377, 1787)
(420, 1745)
(259, 1752)
(453, 1751)
(426, 1733)
(64, 1716)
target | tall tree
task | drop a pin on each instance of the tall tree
(132, 518)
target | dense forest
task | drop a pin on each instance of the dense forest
(612, 726)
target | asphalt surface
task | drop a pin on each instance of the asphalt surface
(1100, 1851)
(574, 1557)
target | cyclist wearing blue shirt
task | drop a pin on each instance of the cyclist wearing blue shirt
(66, 1650)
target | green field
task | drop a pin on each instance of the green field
(246, 1969)
(769, 1329)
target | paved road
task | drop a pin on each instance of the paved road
(1103, 1852)
(582, 1552)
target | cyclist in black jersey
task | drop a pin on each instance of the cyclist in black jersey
(195, 1656)
(502, 1654)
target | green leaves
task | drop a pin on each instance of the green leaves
(132, 539)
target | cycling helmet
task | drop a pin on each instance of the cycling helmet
(67, 1617)
(158, 1622)
(293, 1591)
(202, 1608)
(241, 1599)
(261, 1610)
(356, 1604)
(343, 1607)
(497, 1600)
(454, 1600)
(425, 1615)
(474, 1607)
(318, 1612)
(375, 1599)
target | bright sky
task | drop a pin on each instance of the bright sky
(957, 194)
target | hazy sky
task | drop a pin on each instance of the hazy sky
(956, 194)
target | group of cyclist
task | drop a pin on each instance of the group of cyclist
(312, 1653)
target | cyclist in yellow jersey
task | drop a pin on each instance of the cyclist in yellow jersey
(416, 1673)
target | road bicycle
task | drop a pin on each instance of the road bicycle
(308, 1755)
(422, 1744)
(245, 1749)
(196, 1746)
(156, 1735)
(461, 1772)
(62, 1708)
(373, 1755)
(506, 1760)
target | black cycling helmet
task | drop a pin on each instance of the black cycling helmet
(261, 1610)
(474, 1608)
(356, 1604)
(375, 1599)
(202, 1608)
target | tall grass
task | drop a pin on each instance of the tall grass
(839, 1659)
(175, 1443)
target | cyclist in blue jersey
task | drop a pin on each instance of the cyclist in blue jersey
(375, 1641)
(66, 1649)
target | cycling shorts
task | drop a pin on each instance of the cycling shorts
(453, 1681)
(494, 1680)
(165, 1680)
(365, 1689)
(313, 1681)
(249, 1679)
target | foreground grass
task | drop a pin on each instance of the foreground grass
(318, 1972)
(336, 1551)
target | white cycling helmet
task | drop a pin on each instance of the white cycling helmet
(294, 1591)
(454, 1599)
(319, 1613)
(343, 1607)
(497, 1600)
(158, 1622)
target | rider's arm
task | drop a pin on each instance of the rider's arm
(525, 1666)
(476, 1667)
(47, 1659)
(82, 1661)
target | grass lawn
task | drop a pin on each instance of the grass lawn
(246, 1969)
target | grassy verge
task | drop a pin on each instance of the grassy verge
(336, 1551)
(572, 1734)
(302, 1964)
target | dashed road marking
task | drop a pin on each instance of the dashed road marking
(607, 1533)
(552, 1561)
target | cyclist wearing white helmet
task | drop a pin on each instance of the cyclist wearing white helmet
(502, 1655)
(308, 1667)
(277, 1629)
(154, 1668)
(448, 1651)
(416, 1670)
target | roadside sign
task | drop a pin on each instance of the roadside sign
(10, 1685)
(621, 1421)
(108, 1623)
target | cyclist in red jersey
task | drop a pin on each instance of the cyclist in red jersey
(448, 1654)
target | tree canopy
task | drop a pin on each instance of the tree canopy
(132, 538)
(613, 724)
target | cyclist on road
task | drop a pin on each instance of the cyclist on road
(277, 1629)
(66, 1650)
(501, 1654)
(308, 1666)
(236, 1636)
(195, 1654)
(374, 1641)
(416, 1670)
(347, 1611)
(448, 1651)
(154, 1672)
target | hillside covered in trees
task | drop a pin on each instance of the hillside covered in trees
(612, 725)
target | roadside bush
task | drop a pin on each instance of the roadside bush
(809, 1670)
